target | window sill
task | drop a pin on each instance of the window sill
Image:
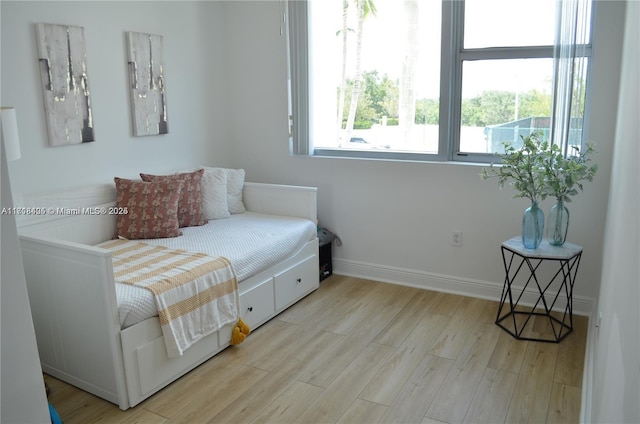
(470, 159)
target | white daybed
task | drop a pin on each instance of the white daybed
(73, 297)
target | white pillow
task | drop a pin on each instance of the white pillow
(235, 185)
(214, 194)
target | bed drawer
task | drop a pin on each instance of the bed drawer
(155, 369)
(296, 282)
(257, 304)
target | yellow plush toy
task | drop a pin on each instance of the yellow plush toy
(239, 332)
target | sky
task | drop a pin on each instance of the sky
(488, 23)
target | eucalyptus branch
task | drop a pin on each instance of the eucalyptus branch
(564, 176)
(539, 169)
(521, 168)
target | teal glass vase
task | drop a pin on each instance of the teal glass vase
(558, 224)
(532, 226)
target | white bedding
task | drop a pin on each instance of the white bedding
(252, 242)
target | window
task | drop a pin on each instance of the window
(429, 80)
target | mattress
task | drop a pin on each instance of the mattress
(252, 242)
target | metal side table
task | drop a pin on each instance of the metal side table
(522, 267)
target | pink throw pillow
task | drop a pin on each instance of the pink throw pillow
(152, 209)
(190, 203)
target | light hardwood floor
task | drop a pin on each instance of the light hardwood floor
(358, 351)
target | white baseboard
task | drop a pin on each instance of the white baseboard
(444, 283)
(587, 374)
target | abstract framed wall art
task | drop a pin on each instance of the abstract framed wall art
(65, 83)
(147, 82)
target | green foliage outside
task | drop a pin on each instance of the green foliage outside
(379, 97)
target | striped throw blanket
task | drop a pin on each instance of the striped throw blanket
(196, 294)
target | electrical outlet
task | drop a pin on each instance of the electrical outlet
(456, 239)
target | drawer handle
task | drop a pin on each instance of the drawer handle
(250, 308)
(299, 280)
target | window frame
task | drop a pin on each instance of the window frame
(453, 55)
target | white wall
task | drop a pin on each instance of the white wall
(194, 45)
(396, 218)
(615, 366)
